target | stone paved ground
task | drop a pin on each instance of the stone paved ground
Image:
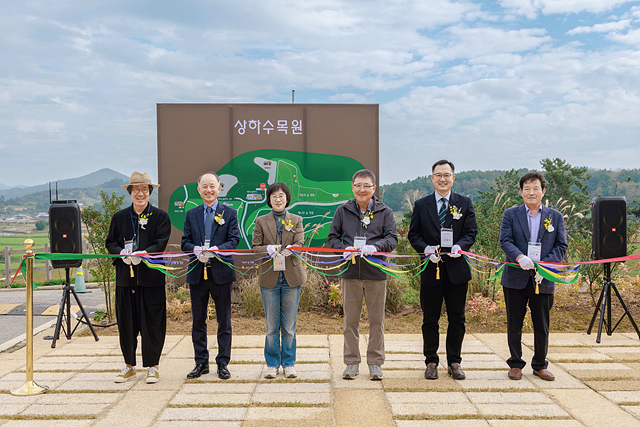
(596, 385)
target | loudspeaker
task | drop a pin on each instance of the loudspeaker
(608, 227)
(65, 232)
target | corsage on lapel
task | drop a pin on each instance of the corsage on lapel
(455, 211)
(218, 218)
(548, 225)
(144, 220)
(288, 225)
(366, 219)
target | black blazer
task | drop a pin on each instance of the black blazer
(225, 236)
(425, 231)
(152, 238)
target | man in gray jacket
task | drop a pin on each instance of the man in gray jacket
(367, 225)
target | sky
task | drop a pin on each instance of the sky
(486, 84)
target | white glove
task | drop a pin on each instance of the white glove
(126, 259)
(135, 257)
(208, 253)
(368, 250)
(286, 251)
(197, 251)
(272, 249)
(455, 251)
(348, 254)
(526, 263)
(432, 250)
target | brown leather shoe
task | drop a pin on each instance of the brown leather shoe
(515, 374)
(432, 372)
(544, 374)
(456, 372)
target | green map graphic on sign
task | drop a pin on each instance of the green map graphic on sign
(319, 183)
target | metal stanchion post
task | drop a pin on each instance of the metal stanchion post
(29, 388)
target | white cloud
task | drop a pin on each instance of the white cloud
(601, 28)
(531, 8)
(29, 125)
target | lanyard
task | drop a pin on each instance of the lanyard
(133, 226)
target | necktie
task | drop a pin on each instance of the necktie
(442, 213)
(207, 224)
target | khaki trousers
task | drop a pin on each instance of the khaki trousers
(375, 294)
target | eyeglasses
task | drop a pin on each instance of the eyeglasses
(362, 186)
(140, 190)
(443, 175)
(278, 197)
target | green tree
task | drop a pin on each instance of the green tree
(97, 223)
(41, 225)
(566, 183)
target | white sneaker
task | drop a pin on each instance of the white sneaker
(271, 372)
(290, 372)
(153, 376)
(127, 372)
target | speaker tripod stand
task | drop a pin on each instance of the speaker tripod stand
(604, 304)
(66, 302)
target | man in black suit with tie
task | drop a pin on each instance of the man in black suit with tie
(443, 222)
(207, 228)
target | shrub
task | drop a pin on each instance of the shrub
(395, 291)
(249, 292)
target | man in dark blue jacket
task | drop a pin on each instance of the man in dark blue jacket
(530, 232)
(207, 228)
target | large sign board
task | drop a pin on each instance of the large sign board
(313, 148)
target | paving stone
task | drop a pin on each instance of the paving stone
(608, 374)
(521, 410)
(48, 423)
(403, 357)
(78, 398)
(211, 399)
(593, 356)
(198, 424)
(426, 397)
(310, 340)
(594, 366)
(411, 384)
(505, 384)
(442, 423)
(252, 341)
(293, 388)
(77, 385)
(286, 413)
(618, 350)
(617, 385)
(410, 373)
(429, 409)
(365, 408)
(63, 410)
(299, 397)
(404, 364)
(12, 408)
(633, 410)
(53, 380)
(203, 414)
(510, 397)
(224, 387)
(6, 398)
(621, 397)
(239, 372)
(592, 409)
(535, 423)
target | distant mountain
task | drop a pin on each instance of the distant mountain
(4, 186)
(91, 180)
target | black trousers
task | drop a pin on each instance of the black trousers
(431, 298)
(144, 312)
(221, 295)
(516, 301)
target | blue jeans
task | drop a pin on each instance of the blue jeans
(281, 311)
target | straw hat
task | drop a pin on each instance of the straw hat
(137, 178)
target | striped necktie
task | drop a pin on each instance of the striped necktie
(442, 213)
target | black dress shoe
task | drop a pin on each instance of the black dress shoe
(456, 372)
(201, 368)
(432, 372)
(223, 372)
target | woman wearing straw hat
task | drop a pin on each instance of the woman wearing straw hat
(140, 292)
(280, 280)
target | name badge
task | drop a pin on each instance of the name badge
(446, 237)
(207, 243)
(533, 251)
(278, 263)
(128, 245)
(359, 242)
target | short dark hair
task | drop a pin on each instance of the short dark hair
(532, 176)
(364, 173)
(209, 173)
(443, 162)
(275, 187)
(130, 189)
